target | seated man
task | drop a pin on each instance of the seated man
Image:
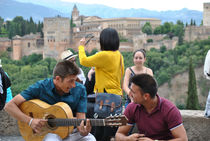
(61, 88)
(156, 118)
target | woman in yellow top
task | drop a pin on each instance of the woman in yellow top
(109, 68)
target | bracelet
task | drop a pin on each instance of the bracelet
(30, 121)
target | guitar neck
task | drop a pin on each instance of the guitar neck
(75, 122)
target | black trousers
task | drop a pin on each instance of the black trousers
(104, 133)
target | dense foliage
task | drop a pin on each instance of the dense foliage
(27, 70)
(167, 28)
(19, 26)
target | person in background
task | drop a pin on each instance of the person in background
(9, 92)
(61, 88)
(207, 74)
(90, 81)
(4, 85)
(139, 58)
(156, 118)
(68, 55)
(109, 69)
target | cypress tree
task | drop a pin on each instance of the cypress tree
(192, 99)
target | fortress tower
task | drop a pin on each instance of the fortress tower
(206, 14)
(75, 13)
(56, 36)
(17, 50)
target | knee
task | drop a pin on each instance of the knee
(52, 137)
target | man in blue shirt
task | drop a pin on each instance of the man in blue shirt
(61, 88)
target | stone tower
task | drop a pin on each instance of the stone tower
(17, 53)
(56, 36)
(206, 14)
(75, 13)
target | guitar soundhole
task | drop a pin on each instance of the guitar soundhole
(51, 122)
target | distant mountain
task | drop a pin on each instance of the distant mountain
(10, 9)
(49, 8)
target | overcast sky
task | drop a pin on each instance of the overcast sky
(159, 5)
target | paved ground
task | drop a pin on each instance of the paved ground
(11, 138)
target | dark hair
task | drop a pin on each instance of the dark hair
(141, 50)
(109, 39)
(146, 83)
(65, 68)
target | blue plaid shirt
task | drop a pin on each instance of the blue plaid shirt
(45, 91)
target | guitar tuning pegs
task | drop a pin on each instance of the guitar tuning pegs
(95, 115)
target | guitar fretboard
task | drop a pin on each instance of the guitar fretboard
(75, 122)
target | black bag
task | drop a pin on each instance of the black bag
(5, 84)
(91, 98)
(107, 104)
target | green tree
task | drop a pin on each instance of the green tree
(191, 22)
(72, 23)
(167, 27)
(147, 28)
(149, 41)
(1, 24)
(192, 99)
(158, 30)
(194, 23)
(201, 23)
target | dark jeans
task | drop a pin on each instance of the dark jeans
(89, 114)
(104, 133)
(101, 133)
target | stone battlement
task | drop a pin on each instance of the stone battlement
(196, 125)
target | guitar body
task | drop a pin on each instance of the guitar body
(39, 109)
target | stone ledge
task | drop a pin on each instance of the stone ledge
(196, 125)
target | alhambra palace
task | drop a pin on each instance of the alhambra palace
(59, 36)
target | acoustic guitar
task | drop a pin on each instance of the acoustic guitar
(59, 119)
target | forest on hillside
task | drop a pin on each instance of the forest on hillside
(164, 63)
(19, 26)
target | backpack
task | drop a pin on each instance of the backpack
(4, 84)
(207, 65)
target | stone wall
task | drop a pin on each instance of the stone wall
(196, 125)
(193, 33)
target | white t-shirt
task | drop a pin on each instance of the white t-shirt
(81, 76)
(207, 66)
(1, 86)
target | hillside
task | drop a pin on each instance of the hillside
(176, 90)
(47, 8)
